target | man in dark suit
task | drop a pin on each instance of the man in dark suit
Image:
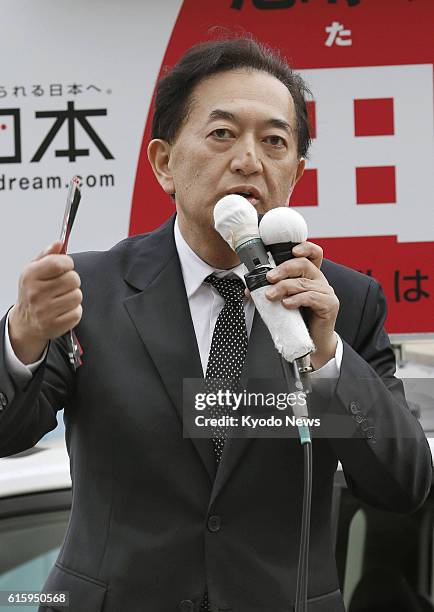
(157, 523)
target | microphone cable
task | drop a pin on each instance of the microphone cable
(306, 442)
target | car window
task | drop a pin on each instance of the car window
(29, 546)
(355, 554)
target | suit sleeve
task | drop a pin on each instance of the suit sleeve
(28, 411)
(387, 461)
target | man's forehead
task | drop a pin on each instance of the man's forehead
(238, 91)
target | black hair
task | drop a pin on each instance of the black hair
(173, 98)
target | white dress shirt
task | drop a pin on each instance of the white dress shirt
(205, 305)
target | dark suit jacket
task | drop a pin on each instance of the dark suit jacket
(140, 535)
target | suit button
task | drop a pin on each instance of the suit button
(354, 407)
(3, 401)
(214, 523)
(186, 605)
(359, 418)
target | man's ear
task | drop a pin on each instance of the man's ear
(159, 155)
(300, 170)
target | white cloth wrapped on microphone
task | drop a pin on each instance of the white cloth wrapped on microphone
(287, 328)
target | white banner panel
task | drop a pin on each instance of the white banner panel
(76, 81)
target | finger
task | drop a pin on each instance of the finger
(58, 307)
(57, 287)
(293, 286)
(323, 305)
(42, 293)
(52, 266)
(67, 321)
(311, 251)
(64, 303)
(52, 249)
(293, 268)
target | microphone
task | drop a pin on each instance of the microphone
(236, 220)
(281, 229)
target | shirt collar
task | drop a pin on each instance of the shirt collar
(194, 269)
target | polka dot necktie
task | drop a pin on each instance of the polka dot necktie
(226, 357)
(228, 348)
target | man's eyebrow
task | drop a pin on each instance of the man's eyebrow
(218, 113)
(280, 123)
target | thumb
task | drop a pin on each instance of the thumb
(53, 249)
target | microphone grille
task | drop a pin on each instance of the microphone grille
(282, 225)
(236, 220)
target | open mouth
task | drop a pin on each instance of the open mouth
(249, 196)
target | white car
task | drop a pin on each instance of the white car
(35, 499)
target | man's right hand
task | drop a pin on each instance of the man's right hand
(48, 305)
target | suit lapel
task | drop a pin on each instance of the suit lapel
(161, 315)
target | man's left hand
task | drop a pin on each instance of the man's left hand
(300, 282)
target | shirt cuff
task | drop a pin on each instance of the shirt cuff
(19, 371)
(332, 368)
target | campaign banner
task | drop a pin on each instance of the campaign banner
(76, 88)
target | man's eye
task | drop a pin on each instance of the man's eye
(221, 133)
(276, 141)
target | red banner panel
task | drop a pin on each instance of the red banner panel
(368, 186)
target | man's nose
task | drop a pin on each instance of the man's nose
(246, 159)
